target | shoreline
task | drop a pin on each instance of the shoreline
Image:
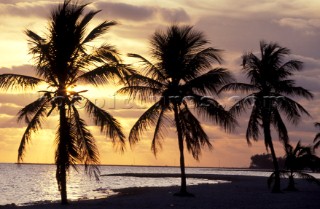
(156, 166)
(247, 192)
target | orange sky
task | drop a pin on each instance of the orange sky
(232, 25)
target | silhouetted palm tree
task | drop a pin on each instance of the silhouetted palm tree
(296, 160)
(317, 137)
(270, 91)
(181, 74)
(64, 59)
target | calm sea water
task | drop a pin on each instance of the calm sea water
(27, 184)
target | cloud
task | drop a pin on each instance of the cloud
(125, 11)
(310, 64)
(174, 15)
(138, 13)
(27, 9)
(309, 26)
(21, 70)
(10, 109)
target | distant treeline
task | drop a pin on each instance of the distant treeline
(264, 161)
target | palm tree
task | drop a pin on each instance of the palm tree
(176, 83)
(64, 59)
(296, 160)
(269, 91)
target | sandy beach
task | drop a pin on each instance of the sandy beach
(243, 192)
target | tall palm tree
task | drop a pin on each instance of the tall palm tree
(181, 84)
(63, 59)
(269, 91)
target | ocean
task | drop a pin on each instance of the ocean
(31, 183)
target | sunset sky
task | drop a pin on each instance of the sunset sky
(232, 25)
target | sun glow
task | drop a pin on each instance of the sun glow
(75, 90)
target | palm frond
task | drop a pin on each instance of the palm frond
(141, 80)
(243, 104)
(31, 109)
(316, 141)
(108, 124)
(147, 119)
(143, 93)
(243, 87)
(149, 68)
(251, 65)
(18, 82)
(208, 108)
(291, 108)
(86, 19)
(271, 179)
(109, 67)
(107, 54)
(308, 177)
(279, 125)
(288, 87)
(159, 131)
(253, 130)
(202, 61)
(34, 38)
(104, 54)
(38, 110)
(67, 153)
(102, 75)
(86, 145)
(98, 31)
(210, 82)
(42, 54)
(289, 67)
(193, 133)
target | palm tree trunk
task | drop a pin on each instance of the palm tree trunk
(183, 188)
(276, 186)
(63, 192)
(63, 157)
(291, 186)
(268, 140)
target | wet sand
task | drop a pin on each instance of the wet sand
(244, 192)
